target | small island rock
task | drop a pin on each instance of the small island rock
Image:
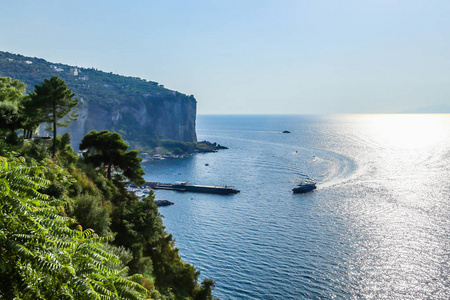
(163, 203)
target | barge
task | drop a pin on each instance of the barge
(184, 186)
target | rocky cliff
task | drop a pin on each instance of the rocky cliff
(168, 117)
(138, 109)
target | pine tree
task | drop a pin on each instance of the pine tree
(55, 101)
(108, 150)
(30, 112)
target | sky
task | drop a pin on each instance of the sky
(252, 57)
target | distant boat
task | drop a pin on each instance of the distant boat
(206, 164)
(304, 187)
(139, 194)
(286, 131)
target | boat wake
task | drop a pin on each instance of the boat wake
(327, 168)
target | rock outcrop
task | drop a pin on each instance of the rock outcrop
(169, 117)
(163, 203)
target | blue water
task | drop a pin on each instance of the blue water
(377, 227)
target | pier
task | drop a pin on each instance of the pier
(184, 186)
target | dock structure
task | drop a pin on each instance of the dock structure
(184, 186)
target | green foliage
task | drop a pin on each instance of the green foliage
(140, 241)
(170, 271)
(205, 292)
(59, 177)
(139, 225)
(41, 257)
(108, 150)
(13, 139)
(90, 212)
(121, 252)
(39, 149)
(101, 88)
(55, 104)
(65, 150)
(30, 112)
(45, 204)
(55, 101)
(9, 117)
(176, 146)
(11, 90)
(166, 146)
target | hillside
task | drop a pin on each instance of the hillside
(140, 110)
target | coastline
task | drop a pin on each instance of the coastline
(201, 147)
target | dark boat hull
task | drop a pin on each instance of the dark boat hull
(303, 189)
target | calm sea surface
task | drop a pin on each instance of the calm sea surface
(377, 227)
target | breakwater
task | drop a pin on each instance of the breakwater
(184, 186)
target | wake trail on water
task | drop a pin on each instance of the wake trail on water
(341, 169)
(328, 168)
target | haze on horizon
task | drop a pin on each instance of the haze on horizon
(245, 57)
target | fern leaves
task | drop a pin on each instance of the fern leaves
(41, 257)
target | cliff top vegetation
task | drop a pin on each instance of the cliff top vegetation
(96, 86)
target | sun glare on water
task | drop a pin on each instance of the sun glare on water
(409, 131)
(401, 201)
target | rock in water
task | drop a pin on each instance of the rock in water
(163, 203)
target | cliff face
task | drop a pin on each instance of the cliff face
(169, 117)
(138, 109)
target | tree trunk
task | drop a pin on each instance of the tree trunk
(54, 131)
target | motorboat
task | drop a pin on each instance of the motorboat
(304, 187)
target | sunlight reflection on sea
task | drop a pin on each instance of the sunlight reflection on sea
(376, 228)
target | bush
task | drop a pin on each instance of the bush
(39, 149)
(91, 213)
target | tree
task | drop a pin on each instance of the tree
(108, 150)
(205, 292)
(17, 110)
(9, 117)
(11, 92)
(139, 225)
(30, 112)
(55, 102)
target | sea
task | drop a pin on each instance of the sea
(376, 227)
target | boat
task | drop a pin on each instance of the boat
(286, 131)
(304, 187)
(184, 186)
